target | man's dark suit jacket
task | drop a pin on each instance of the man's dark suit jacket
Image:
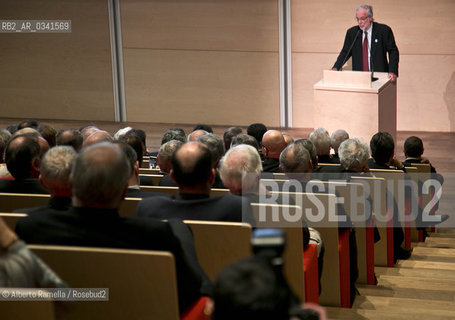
(382, 42)
(197, 207)
(22, 186)
(91, 227)
(328, 159)
(271, 165)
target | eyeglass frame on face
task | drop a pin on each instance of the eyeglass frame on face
(362, 18)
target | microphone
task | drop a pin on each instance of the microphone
(350, 48)
(371, 62)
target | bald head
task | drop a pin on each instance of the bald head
(273, 143)
(100, 176)
(70, 137)
(193, 136)
(192, 165)
(97, 137)
(22, 157)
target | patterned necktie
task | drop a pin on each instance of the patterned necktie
(365, 53)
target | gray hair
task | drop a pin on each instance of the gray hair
(215, 145)
(120, 133)
(5, 135)
(368, 8)
(300, 162)
(321, 140)
(353, 154)
(100, 176)
(167, 150)
(240, 165)
(244, 139)
(57, 163)
(309, 146)
(338, 137)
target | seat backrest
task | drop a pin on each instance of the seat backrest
(174, 191)
(12, 201)
(219, 244)
(312, 204)
(142, 284)
(156, 178)
(293, 254)
(128, 207)
(12, 218)
(377, 187)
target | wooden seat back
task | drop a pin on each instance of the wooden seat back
(142, 284)
(219, 244)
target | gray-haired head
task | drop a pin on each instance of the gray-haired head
(5, 135)
(215, 145)
(368, 8)
(309, 146)
(121, 132)
(100, 176)
(229, 134)
(337, 138)
(244, 139)
(353, 155)
(173, 134)
(241, 168)
(295, 158)
(321, 140)
(165, 154)
(57, 164)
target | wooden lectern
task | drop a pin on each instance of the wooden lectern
(349, 100)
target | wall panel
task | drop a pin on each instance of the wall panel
(230, 88)
(57, 76)
(201, 61)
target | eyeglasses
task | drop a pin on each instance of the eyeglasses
(362, 19)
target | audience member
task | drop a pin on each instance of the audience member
(257, 130)
(336, 139)
(134, 189)
(49, 133)
(321, 140)
(253, 288)
(97, 137)
(288, 138)
(4, 138)
(70, 137)
(173, 134)
(272, 144)
(121, 132)
(229, 134)
(204, 127)
(240, 170)
(311, 150)
(216, 147)
(192, 170)
(20, 267)
(55, 171)
(165, 161)
(245, 139)
(100, 180)
(193, 136)
(28, 123)
(86, 131)
(382, 149)
(22, 157)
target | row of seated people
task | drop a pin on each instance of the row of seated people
(193, 169)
